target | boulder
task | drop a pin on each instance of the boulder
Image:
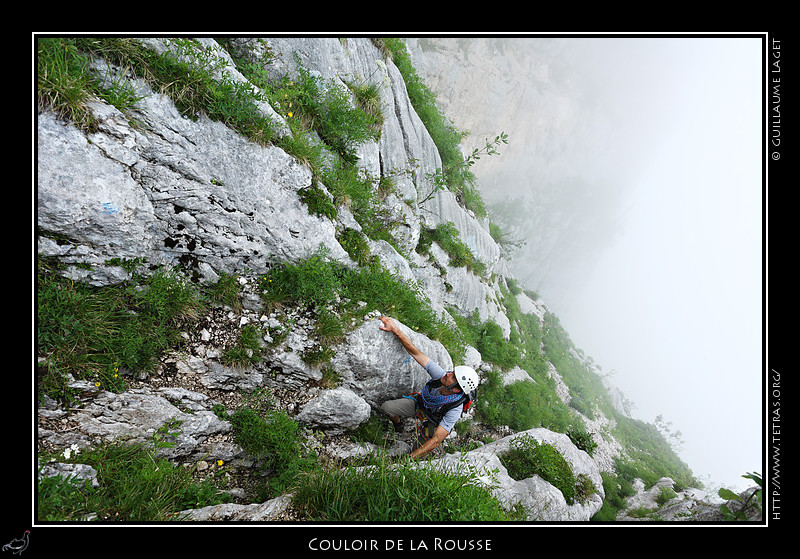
(516, 375)
(374, 364)
(76, 472)
(334, 411)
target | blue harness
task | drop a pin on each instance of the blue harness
(432, 406)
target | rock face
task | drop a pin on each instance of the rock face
(182, 191)
(174, 190)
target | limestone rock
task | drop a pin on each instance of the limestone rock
(375, 365)
(516, 375)
(541, 500)
(77, 472)
(183, 190)
(335, 411)
(197, 192)
(137, 415)
(229, 512)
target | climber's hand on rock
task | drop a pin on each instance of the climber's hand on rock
(388, 324)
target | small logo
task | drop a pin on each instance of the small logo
(18, 545)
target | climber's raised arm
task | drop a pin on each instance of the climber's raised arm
(390, 325)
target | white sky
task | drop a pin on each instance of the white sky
(675, 306)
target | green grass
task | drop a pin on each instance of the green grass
(616, 490)
(133, 486)
(225, 291)
(248, 347)
(95, 333)
(385, 492)
(187, 76)
(274, 440)
(487, 337)
(323, 286)
(324, 107)
(362, 195)
(521, 405)
(447, 237)
(63, 83)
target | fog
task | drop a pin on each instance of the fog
(633, 175)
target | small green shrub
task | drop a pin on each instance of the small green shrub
(521, 405)
(356, 246)
(317, 283)
(273, 440)
(313, 282)
(225, 291)
(528, 457)
(582, 439)
(643, 512)
(63, 80)
(494, 348)
(188, 76)
(487, 337)
(447, 237)
(664, 495)
(328, 109)
(615, 489)
(368, 98)
(374, 431)
(584, 488)
(362, 194)
(742, 507)
(317, 201)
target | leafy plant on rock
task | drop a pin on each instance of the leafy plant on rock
(743, 506)
(582, 439)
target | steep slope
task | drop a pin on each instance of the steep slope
(160, 184)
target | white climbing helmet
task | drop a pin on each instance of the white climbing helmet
(467, 378)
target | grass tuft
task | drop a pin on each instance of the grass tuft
(402, 492)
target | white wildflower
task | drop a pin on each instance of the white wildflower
(68, 451)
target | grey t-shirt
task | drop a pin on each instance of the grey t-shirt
(435, 400)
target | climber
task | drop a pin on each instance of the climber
(434, 397)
